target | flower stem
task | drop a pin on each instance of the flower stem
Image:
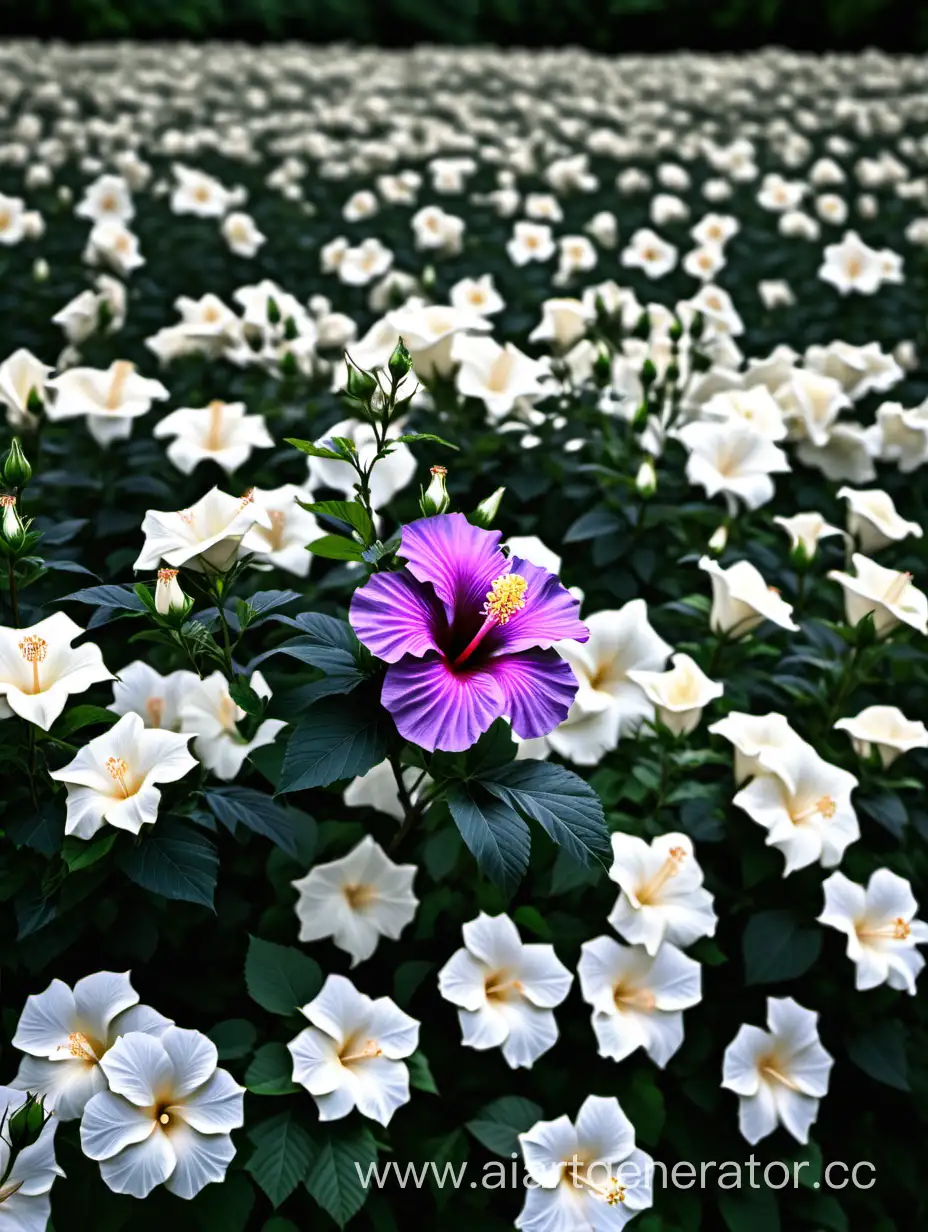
(14, 598)
(411, 811)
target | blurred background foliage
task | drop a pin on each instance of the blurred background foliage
(603, 25)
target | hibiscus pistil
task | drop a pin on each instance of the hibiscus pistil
(505, 597)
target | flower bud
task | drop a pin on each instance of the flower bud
(642, 328)
(16, 469)
(640, 417)
(26, 1124)
(400, 363)
(291, 333)
(360, 385)
(697, 326)
(273, 311)
(485, 513)
(435, 498)
(602, 367)
(40, 270)
(718, 539)
(288, 365)
(675, 332)
(169, 598)
(12, 530)
(648, 373)
(646, 479)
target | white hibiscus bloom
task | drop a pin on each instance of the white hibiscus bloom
(206, 536)
(873, 521)
(752, 736)
(732, 459)
(886, 729)
(680, 694)
(662, 895)
(222, 432)
(158, 699)
(741, 600)
(40, 669)
(881, 928)
(886, 593)
(209, 712)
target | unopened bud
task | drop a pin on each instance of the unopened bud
(288, 365)
(435, 498)
(273, 311)
(291, 333)
(642, 327)
(676, 331)
(640, 417)
(12, 530)
(718, 539)
(602, 367)
(26, 1124)
(169, 598)
(646, 479)
(360, 384)
(427, 277)
(697, 326)
(648, 373)
(485, 513)
(400, 363)
(40, 270)
(16, 469)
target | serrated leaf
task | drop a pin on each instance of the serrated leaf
(498, 1125)
(337, 739)
(336, 547)
(173, 860)
(333, 1179)
(495, 834)
(271, 1071)
(776, 946)
(420, 1074)
(234, 1038)
(120, 597)
(279, 977)
(352, 513)
(282, 1156)
(234, 806)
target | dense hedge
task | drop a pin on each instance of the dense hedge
(607, 25)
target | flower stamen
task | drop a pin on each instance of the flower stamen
(121, 373)
(897, 588)
(823, 807)
(669, 869)
(505, 597)
(118, 770)
(897, 930)
(34, 650)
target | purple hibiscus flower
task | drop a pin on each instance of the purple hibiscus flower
(468, 633)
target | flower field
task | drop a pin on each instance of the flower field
(463, 668)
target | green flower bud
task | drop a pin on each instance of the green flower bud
(360, 385)
(642, 327)
(646, 479)
(602, 367)
(12, 530)
(273, 311)
(290, 330)
(676, 331)
(435, 498)
(16, 469)
(288, 365)
(400, 363)
(485, 513)
(648, 373)
(26, 1124)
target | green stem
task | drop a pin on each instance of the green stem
(14, 598)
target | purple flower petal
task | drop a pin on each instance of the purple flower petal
(437, 708)
(549, 615)
(460, 560)
(394, 615)
(540, 688)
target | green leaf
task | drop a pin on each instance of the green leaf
(498, 1125)
(245, 696)
(40, 829)
(420, 1075)
(408, 977)
(333, 1179)
(227, 1206)
(234, 1038)
(123, 598)
(409, 438)
(279, 977)
(880, 1052)
(282, 1156)
(352, 513)
(496, 835)
(256, 607)
(83, 716)
(235, 806)
(337, 739)
(173, 860)
(777, 947)
(336, 547)
(887, 809)
(271, 1071)
(78, 853)
(643, 1102)
(749, 1210)
(565, 805)
(317, 451)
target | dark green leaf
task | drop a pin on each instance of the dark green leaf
(337, 739)
(498, 1125)
(336, 547)
(880, 1052)
(333, 1179)
(235, 806)
(777, 947)
(496, 835)
(282, 1156)
(173, 860)
(271, 1071)
(279, 977)
(234, 1038)
(352, 513)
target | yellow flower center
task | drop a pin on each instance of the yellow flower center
(898, 930)
(119, 769)
(823, 807)
(669, 869)
(214, 441)
(505, 597)
(500, 986)
(359, 896)
(34, 650)
(633, 998)
(897, 588)
(121, 373)
(365, 1053)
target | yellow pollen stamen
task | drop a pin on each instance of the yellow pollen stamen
(496, 986)
(248, 497)
(14, 1186)
(768, 1067)
(167, 575)
(34, 650)
(367, 1053)
(8, 501)
(824, 807)
(438, 470)
(612, 1194)
(668, 869)
(79, 1046)
(898, 930)
(121, 373)
(359, 896)
(214, 440)
(505, 597)
(275, 535)
(633, 998)
(164, 1119)
(118, 770)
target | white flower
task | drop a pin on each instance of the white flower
(209, 711)
(733, 459)
(752, 736)
(377, 789)
(718, 309)
(881, 928)
(158, 699)
(361, 265)
(662, 896)
(804, 804)
(637, 1000)
(167, 1116)
(389, 476)
(22, 378)
(715, 229)
(886, 729)
(741, 599)
(476, 295)
(25, 1205)
(434, 229)
(873, 521)
(505, 990)
(110, 398)
(356, 900)
(282, 545)
(805, 530)
(107, 197)
(845, 455)
(40, 669)
(563, 322)
(12, 219)
(755, 407)
(852, 265)
(608, 704)
(112, 778)
(648, 252)
(779, 1075)
(207, 536)
(114, 244)
(65, 1034)
(497, 375)
(587, 1176)
(887, 593)
(351, 1055)
(223, 432)
(241, 234)
(169, 597)
(811, 402)
(197, 193)
(429, 332)
(900, 435)
(679, 694)
(531, 241)
(704, 263)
